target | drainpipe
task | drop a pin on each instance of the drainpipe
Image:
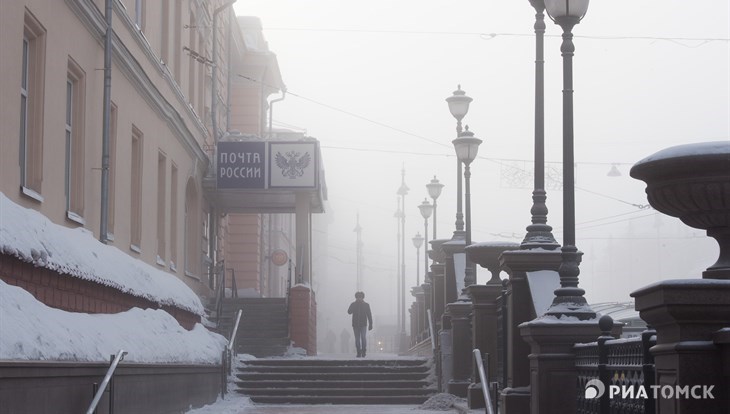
(214, 80)
(103, 227)
(214, 121)
(271, 108)
(229, 35)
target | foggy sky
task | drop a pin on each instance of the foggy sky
(369, 79)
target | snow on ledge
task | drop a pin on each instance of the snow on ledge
(33, 331)
(31, 237)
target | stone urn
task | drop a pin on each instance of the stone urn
(436, 253)
(486, 255)
(692, 182)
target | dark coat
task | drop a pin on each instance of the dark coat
(361, 315)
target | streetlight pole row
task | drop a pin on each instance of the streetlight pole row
(569, 299)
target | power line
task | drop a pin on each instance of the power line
(497, 161)
(489, 36)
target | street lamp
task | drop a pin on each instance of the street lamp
(539, 233)
(569, 299)
(458, 106)
(417, 243)
(402, 192)
(434, 191)
(426, 210)
(467, 146)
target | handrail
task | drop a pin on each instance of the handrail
(220, 290)
(234, 288)
(483, 378)
(430, 330)
(235, 330)
(118, 358)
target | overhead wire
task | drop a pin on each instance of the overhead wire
(501, 162)
(489, 36)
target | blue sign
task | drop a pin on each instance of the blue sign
(241, 164)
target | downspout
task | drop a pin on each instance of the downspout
(213, 238)
(271, 115)
(229, 35)
(104, 225)
(214, 80)
(271, 109)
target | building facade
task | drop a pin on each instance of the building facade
(175, 87)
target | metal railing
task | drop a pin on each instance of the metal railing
(227, 355)
(489, 407)
(115, 360)
(430, 331)
(623, 362)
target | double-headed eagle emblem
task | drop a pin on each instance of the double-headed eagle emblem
(292, 165)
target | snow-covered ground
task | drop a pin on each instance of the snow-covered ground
(31, 237)
(30, 330)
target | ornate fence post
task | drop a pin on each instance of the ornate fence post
(605, 324)
(648, 339)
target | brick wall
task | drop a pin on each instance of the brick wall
(77, 295)
(303, 319)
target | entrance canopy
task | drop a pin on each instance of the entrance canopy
(260, 176)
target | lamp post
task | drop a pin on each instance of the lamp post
(426, 210)
(434, 191)
(397, 215)
(417, 243)
(358, 250)
(458, 106)
(539, 233)
(402, 191)
(569, 299)
(467, 146)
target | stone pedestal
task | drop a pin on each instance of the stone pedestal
(461, 340)
(515, 397)
(553, 376)
(687, 315)
(437, 294)
(303, 319)
(484, 323)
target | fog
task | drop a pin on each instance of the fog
(369, 80)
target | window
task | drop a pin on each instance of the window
(201, 78)
(161, 201)
(112, 169)
(192, 62)
(177, 40)
(74, 133)
(173, 218)
(136, 191)
(165, 32)
(31, 107)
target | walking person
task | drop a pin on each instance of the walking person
(361, 319)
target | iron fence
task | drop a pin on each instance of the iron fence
(625, 363)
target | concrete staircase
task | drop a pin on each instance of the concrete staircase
(264, 327)
(320, 381)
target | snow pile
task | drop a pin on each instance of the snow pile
(30, 330)
(31, 237)
(440, 402)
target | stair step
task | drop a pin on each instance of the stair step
(326, 369)
(370, 400)
(338, 376)
(360, 392)
(333, 384)
(336, 362)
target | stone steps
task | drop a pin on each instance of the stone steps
(324, 381)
